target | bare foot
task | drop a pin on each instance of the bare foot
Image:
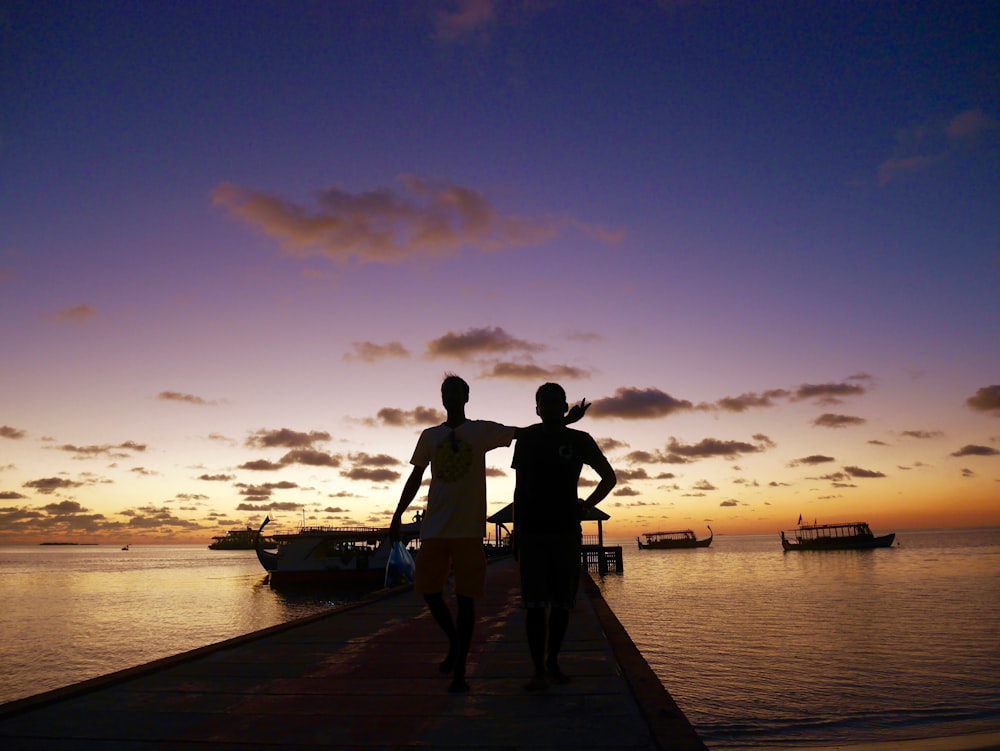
(558, 676)
(537, 683)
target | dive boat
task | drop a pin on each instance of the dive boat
(239, 539)
(844, 536)
(674, 540)
(350, 556)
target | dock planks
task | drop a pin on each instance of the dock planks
(365, 677)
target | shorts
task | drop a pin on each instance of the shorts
(440, 556)
(550, 571)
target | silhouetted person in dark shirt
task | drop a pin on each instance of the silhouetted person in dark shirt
(548, 459)
(454, 525)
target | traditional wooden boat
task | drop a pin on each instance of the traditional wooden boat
(677, 539)
(843, 536)
(348, 556)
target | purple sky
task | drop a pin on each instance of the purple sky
(240, 244)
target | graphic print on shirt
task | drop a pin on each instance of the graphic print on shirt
(452, 458)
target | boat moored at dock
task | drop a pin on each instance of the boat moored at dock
(350, 556)
(677, 539)
(842, 536)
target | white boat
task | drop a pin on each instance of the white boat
(350, 556)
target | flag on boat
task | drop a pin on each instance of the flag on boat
(800, 518)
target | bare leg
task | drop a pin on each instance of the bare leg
(558, 623)
(465, 622)
(534, 626)
(436, 604)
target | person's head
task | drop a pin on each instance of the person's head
(550, 402)
(454, 391)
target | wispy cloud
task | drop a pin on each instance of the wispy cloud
(477, 341)
(372, 352)
(531, 371)
(177, 396)
(286, 438)
(419, 218)
(830, 420)
(923, 145)
(463, 19)
(76, 314)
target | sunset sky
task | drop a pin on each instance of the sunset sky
(242, 242)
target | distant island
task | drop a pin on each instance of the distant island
(68, 543)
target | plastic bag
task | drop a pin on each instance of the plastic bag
(400, 569)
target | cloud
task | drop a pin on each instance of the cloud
(372, 474)
(744, 402)
(176, 396)
(119, 451)
(860, 472)
(372, 352)
(829, 420)
(922, 434)
(286, 438)
(377, 460)
(396, 417)
(923, 145)
(49, 485)
(974, 450)
(812, 459)
(264, 490)
(463, 19)
(638, 404)
(986, 399)
(970, 124)
(311, 458)
(76, 314)
(420, 218)
(828, 393)
(533, 372)
(714, 447)
(217, 478)
(11, 495)
(479, 340)
(6, 431)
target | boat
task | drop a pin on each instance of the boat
(239, 539)
(677, 539)
(349, 556)
(124, 547)
(842, 536)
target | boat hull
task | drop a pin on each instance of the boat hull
(675, 545)
(342, 557)
(843, 543)
(680, 539)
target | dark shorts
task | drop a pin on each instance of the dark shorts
(550, 571)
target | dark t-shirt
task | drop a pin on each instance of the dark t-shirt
(548, 463)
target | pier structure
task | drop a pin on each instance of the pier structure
(365, 676)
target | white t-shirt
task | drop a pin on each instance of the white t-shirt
(456, 501)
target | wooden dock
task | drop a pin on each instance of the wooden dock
(365, 677)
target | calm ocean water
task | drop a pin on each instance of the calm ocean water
(760, 648)
(765, 648)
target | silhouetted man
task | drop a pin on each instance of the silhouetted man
(548, 459)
